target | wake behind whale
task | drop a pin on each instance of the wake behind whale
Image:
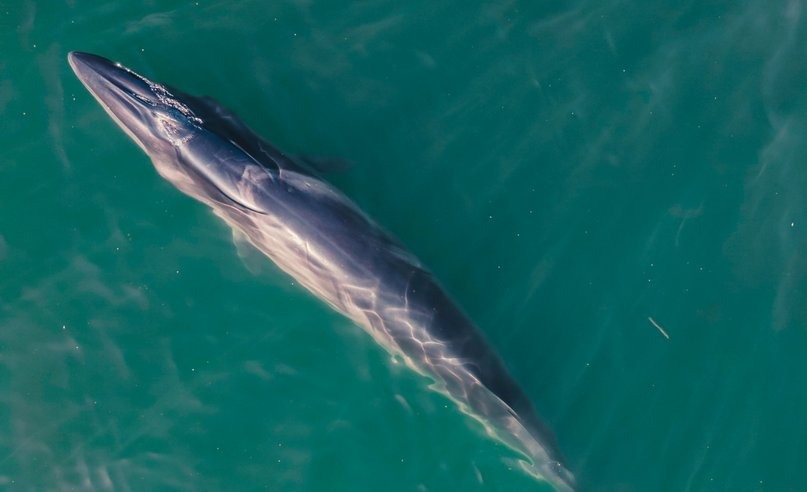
(319, 237)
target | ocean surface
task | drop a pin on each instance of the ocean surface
(614, 191)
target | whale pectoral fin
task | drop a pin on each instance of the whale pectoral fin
(250, 256)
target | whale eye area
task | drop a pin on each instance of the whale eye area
(171, 116)
(171, 129)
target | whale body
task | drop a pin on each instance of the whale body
(325, 242)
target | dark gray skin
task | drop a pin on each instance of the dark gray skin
(319, 237)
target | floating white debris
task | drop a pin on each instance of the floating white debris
(658, 326)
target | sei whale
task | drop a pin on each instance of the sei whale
(320, 238)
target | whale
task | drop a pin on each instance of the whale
(318, 236)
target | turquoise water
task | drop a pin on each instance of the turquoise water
(569, 170)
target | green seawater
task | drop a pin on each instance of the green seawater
(569, 170)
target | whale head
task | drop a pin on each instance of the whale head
(156, 119)
(190, 144)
